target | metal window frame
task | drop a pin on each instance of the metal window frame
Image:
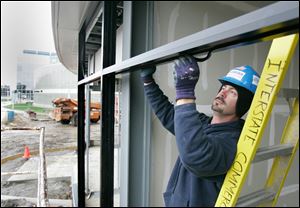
(80, 128)
(125, 106)
(140, 118)
(108, 105)
(278, 19)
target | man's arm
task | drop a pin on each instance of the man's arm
(160, 104)
(202, 151)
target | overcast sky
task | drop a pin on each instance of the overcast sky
(24, 25)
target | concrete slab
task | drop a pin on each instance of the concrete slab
(66, 165)
(52, 202)
(57, 166)
(94, 168)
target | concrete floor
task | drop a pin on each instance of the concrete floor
(66, 165)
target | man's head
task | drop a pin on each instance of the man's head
(237, 91)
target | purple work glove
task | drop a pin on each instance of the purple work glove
(147, 74)
(186, 74)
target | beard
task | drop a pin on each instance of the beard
(216, 106)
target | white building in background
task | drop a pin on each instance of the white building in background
(29, 61)
(5, 92)
(52, 81)
(42, 73)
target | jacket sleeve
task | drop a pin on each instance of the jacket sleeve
(161, 106)
(205, 154)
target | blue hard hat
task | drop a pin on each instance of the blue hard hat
(243, 76)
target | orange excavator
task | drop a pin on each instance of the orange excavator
(65, 111)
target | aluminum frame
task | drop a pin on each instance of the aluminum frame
(108, 105)
(80, 127)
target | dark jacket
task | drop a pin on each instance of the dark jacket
(206, 151)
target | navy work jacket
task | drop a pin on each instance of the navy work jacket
(206, 151)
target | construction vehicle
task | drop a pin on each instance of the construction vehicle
(65, 111)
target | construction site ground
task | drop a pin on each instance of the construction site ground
(60, 143)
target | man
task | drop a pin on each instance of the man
(206, 145)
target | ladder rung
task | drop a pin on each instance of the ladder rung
(288, 93)
(255, 198)
(265, 153)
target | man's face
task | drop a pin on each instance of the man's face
(225, 101)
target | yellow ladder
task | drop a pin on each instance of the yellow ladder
(272, 76)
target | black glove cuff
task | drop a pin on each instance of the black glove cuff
(147, 79)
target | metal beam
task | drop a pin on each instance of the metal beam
(255, 198)
(80, 127)
(275, 20)
(265, 153)
(96, 8)
(108, 105)
(140, 117)
(125, 108)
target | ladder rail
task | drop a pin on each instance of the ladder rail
(282, 165)
(269, 195)
(276, 65)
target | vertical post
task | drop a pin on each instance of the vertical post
(125, 107)
(87, 129)
(42, 175)
(108, 100)
(80, 127)
(87, 134)
(139, 157)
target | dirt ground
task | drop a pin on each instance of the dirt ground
(13, 143)
(17, 203)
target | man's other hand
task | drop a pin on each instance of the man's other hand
(147, 74)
